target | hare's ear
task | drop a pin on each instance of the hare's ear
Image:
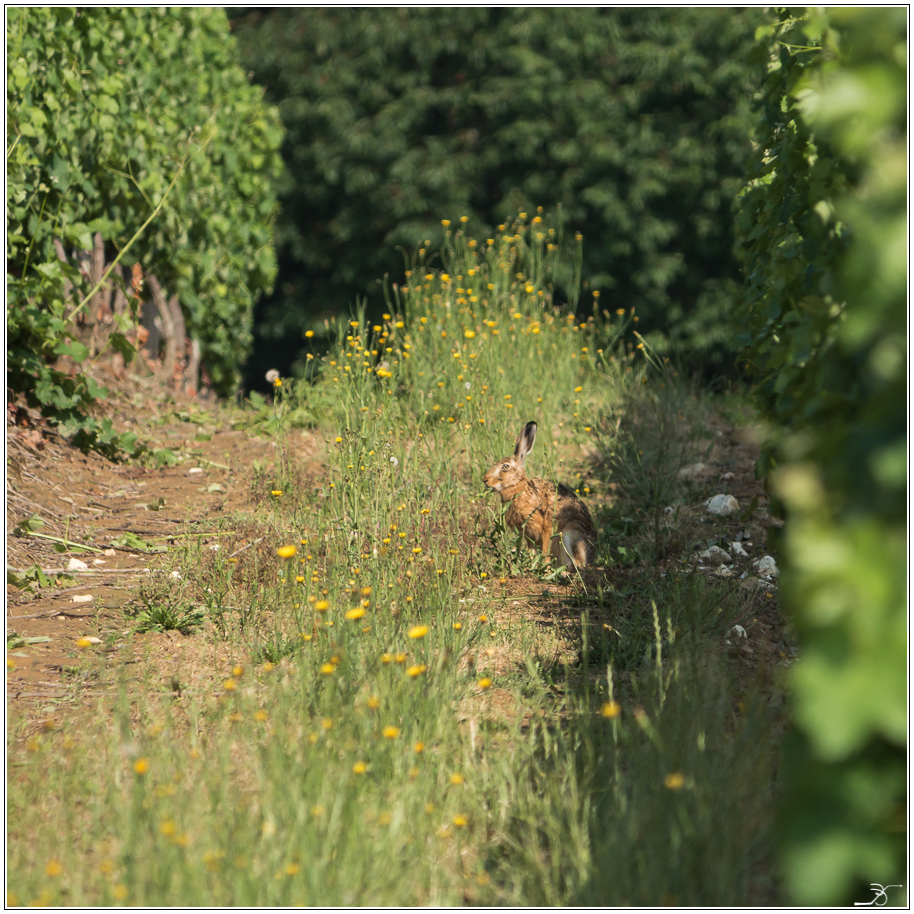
(525, 441)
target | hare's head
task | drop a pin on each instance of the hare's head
(509, 472)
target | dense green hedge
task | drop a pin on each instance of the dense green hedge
(635, 121)
(104, 106)
(823, 233)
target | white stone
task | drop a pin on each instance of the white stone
(724, 505)
(81, 598)
(716, 554)
(738, 549)
(194, 470)
(76, 565)
(768, 566)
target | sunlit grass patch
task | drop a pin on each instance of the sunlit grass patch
(392, 700)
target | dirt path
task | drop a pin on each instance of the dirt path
(89, 500)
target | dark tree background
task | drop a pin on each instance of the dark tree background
(634, 120)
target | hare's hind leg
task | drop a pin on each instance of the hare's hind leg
(583, 552)
(571, 550)
(562, 548)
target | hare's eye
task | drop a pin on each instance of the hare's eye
(505, 466)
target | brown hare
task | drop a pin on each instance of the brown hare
(552, 517)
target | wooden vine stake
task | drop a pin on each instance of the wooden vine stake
(95, 319)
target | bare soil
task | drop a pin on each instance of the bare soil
(92, 501)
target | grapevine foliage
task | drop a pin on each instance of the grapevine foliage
(106, 107)
(823, 237)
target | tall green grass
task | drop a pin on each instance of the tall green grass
(393, 733)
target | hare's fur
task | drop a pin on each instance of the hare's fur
(552, 517)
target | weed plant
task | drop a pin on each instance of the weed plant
(391, 733)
